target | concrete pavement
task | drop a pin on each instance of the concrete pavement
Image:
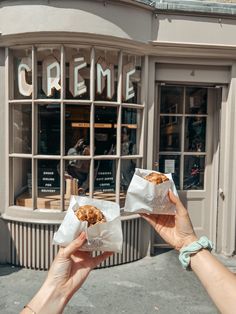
(152, 285)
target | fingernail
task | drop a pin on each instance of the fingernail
(82, 236)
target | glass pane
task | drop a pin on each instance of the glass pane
(49, 72)
(49, 184)
(171, 164)
(194, 167)
(22, 74)
(126, 174)
(131, 79)
(195, 134)
(78, 73)
(49, 129)
(130, 131)
(106, 78)
(170, 133)
(196, 100)
(22, 182)
(77, 133)
(105, 130)
(21, 128)
(105, 179)
(172, 99)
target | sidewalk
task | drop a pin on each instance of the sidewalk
(152, 285)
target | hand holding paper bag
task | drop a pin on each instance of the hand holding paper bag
(146, 197)
(105, 236)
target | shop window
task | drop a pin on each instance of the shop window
(76, 118)
(21, 128)
(182, 141)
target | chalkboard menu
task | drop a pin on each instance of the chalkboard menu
(48, 180)
(105, 181)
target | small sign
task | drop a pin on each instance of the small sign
(169, 166)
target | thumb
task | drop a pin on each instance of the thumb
(75, 245)
(180, 209)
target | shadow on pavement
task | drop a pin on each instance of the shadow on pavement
(8, 269)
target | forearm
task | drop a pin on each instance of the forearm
(48, 300)
(219, 282)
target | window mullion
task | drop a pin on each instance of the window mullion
(34, 174)
(182, 144)
(62, 129)
(92, 112)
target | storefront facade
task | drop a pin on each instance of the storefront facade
(98, 88)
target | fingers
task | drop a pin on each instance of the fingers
(100, 258)
(150, 219)
(74, 245)
(180, 209)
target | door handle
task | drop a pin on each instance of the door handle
(221, 193)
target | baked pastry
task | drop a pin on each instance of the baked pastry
(91, 214)
(156, 178)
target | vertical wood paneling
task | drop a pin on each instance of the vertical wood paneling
(31, 244)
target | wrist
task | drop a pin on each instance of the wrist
(48, 300)
(188, 240)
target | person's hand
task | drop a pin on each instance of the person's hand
(66, 275)
(71, 267)
(177, 230)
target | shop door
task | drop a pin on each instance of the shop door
(188, 147)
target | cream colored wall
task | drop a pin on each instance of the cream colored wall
(129, 22)
(194, 30)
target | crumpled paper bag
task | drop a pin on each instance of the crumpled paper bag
(146, 197)
(105, 236)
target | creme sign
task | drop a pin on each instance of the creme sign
(51, 74)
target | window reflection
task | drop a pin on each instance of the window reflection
(171, 99)
(195, 134)
(49, 129)
(48, 73)
(196, 100)
(22, 64)
(131, 79)
(106, 81)
(170, 133)
(22, 128)
(194, 167)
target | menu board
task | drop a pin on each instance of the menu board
(105, 181)
(48, 180)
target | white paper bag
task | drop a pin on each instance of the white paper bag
(146, 197)
(105, 236)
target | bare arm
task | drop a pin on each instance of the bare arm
(218, 281)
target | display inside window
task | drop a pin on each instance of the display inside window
(78, 73)
(170, 133)
(130, 131)
(195, 134)
(105, 130)
(194, 167)
(171, 99)
(49, 129)
(196, 100)
(170, 164)
(22, 181)
(48, 184)
(48, 73)
(105, 179)
(131, 79)
(22, 74)
(21, 116)
(127, 169)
